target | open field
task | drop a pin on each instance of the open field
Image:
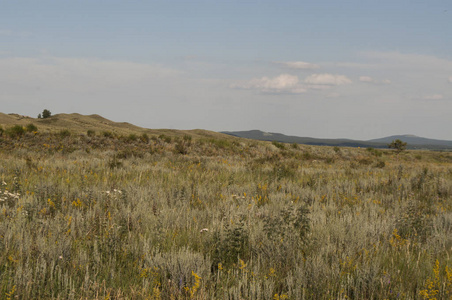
(101, 215)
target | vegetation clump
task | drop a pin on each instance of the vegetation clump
(398, 145)
(15, 131)
(31, 128)
(45, 114)
(279, 145)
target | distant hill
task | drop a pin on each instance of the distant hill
(413, 142)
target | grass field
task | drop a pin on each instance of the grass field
(104, 216)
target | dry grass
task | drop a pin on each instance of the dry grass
(121, 217)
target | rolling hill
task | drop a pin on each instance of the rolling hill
(414, 142)
(78, 123)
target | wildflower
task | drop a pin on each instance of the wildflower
(204, 230)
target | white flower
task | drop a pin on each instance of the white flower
(204, 230)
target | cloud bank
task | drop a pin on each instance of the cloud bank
(291, 84)
(301, 65)
(368, 79)
(327, 79)
(284, 83)
(434, 97)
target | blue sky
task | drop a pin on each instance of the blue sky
(355, 69)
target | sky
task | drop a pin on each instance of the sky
(326, 69)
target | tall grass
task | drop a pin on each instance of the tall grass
(102, 216)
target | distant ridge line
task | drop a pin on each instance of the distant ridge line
(414, 142)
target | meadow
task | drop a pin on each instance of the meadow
(102, 216)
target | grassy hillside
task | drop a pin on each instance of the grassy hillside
(80, 124)
(194, 215)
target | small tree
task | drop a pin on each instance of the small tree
(46, 113)
(398, 145)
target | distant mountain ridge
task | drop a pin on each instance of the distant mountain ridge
(413, 142)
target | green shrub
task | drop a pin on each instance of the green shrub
(380, 164)
(31, 128)
(180, 148)
(90, 133)
(114, 163)
(329, 160)
(15, 131)
(108, 134)
(145, 138)
(415, 221)
(375, 152)
(234, 245)
(64, 133)
(307, 155)
(165, 138)
(365, 161)
(187, 138)
(288, 224)
(279, 145)
(281, 171)
(222, 144)
(132, 137)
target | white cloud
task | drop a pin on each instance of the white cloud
(368, 79)
(284, 83)
(318, 86)
(450, 79)
(298, 65)
(327, 79)
(352, 65)
(434, 97)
